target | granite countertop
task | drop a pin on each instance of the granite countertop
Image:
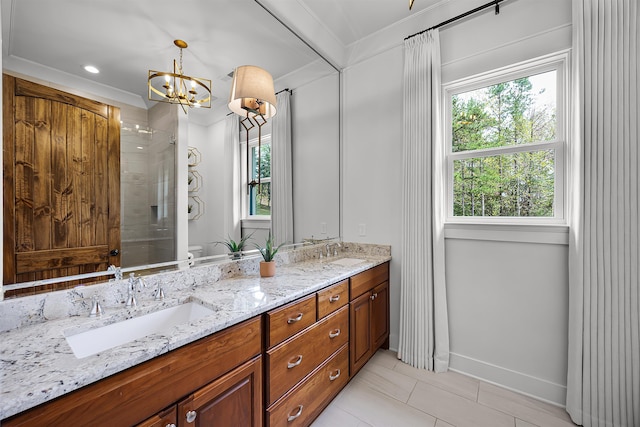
(37, 364)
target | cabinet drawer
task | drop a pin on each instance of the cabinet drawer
(365, 281)
(163, 419)
(307, 400)
(292, 360)
(332, 298)
(284, 322)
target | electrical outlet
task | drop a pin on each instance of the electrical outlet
(323, 228)
(362, 230)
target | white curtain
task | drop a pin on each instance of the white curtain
(603, 384)
(424, 333)
(281, 174)
(232, 178)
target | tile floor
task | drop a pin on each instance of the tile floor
(389, 393)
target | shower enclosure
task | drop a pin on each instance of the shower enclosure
(148, 199)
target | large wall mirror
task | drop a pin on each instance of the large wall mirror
(169, 201)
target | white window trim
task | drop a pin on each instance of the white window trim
(557, 61)
(244, 196)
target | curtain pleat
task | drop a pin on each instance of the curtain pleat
(281, 171)
(232, 178)
(424, 336)
(603, 382)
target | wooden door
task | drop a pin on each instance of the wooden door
(234, 400)
(61, 183)
(360, 336)
(380, 316)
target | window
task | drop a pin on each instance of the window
(258, 193)
(506, 141)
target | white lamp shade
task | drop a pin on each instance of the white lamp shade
(254, 83)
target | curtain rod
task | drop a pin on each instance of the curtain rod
(495, 3)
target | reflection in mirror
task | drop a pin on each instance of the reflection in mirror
(155, 221)
(148, 201)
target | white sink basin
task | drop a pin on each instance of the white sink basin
(96, 340)
(348, 262)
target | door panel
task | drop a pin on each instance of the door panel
(360, 337)
(62, 212)
(380, 315)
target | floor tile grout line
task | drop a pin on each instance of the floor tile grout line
(537, 410)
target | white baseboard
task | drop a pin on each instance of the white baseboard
(517, 381)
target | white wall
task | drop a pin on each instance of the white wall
(210, 227)
(507, 299)
(315, 157)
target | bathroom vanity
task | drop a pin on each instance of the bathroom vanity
(273, 351)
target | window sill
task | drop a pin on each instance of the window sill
(257, 222)
(523, 233)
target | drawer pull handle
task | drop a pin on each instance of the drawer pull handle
(334, 298)
(191, 416)
(295, 319)
(334, 333)
(296, 363)
(296, 415)
(335, 376)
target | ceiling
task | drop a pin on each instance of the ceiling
(353, 20)
(124, 39)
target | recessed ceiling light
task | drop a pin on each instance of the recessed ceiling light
(91, 69)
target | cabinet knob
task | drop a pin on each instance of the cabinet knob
(372, 297)
(295, 319)
(170, 425)
(334, 333)
(334, 298)
(296, 415)
(333, 376)
(191, 416)
(295, 363)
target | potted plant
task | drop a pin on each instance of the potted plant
(268, 266)
(235, 248)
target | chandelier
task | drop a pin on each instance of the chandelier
(178, 88)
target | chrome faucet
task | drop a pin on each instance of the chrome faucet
(158, 294)
(96, 308)
(134, 283)
(117, 272)
(335, 247)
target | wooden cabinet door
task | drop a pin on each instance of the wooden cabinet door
(166, 418)
(61, 183)
(233, 400)
(380, 315)
(360, 328)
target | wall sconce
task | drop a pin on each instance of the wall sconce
(253, 98)
(178, 88)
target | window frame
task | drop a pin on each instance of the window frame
(245, 196)
(560, 63)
